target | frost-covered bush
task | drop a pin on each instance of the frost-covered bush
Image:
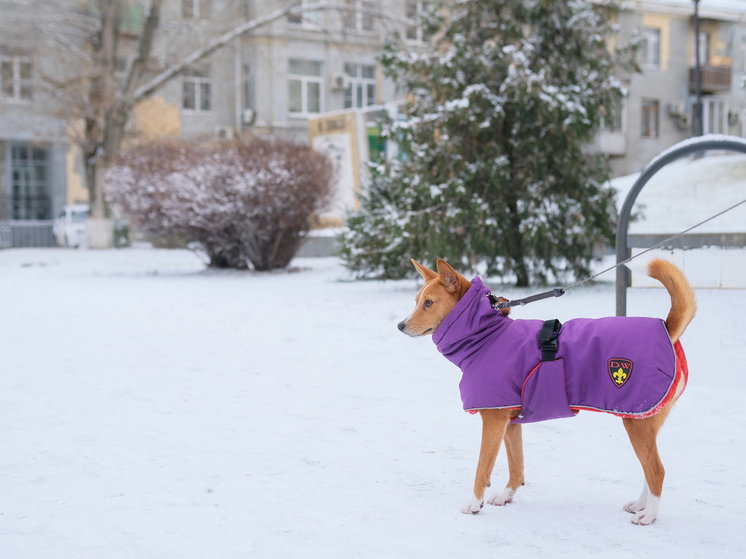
(248, 206)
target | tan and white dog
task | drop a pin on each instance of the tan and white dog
(444, 289)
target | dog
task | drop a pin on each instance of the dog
(465, 327)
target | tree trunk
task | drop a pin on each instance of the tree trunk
(514, 246)
(102, 96)
(110, 112)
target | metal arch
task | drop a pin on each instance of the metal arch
(687, 147)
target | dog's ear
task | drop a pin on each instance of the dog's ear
(448, 276)
(426, 273)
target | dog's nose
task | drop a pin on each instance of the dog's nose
(402, 325)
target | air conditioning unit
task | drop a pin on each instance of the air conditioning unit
(248, 116)
(340, 81)
(677, 108)
(223, 133)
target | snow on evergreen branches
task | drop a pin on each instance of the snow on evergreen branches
(493, 170)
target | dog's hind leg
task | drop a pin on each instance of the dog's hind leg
(494, 423)
(514, 449)
(643, 434)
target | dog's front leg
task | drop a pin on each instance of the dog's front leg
(494, 423)
(514, 449)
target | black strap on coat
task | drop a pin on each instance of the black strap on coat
(548, 339)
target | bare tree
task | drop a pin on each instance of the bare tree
(103, 101)
(110, 107)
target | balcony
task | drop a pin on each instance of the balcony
(715, 79)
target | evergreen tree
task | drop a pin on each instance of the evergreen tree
(493, 172)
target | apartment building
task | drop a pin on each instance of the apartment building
(266, 82)
(276, 78)
(659, 109)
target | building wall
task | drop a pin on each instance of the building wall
(266, 52)
(669, 83)
(36, 122)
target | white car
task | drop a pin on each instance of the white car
(70, 227)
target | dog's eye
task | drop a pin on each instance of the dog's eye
(428, 304)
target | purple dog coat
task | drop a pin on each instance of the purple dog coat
(624, 366)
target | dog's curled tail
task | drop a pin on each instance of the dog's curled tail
(683, 302)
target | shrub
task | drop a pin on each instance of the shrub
(247, 205)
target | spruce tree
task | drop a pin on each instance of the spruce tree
(493, 172)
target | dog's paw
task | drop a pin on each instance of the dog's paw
(643, 518)
(635, 506)
(503, 498)
(473, 506)
(648, 514)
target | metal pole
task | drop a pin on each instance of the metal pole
(697, 108)
(732, 143)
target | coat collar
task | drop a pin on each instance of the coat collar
(472, 323)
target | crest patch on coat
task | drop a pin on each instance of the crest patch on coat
(620, 370)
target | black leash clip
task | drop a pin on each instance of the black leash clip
(499, 305)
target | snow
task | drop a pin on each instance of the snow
(687, 191)
(152, 408)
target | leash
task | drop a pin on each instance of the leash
(560, 291)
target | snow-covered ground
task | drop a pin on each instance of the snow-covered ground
(152, 409)
(688, 191)
(683, 194)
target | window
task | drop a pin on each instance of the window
(358, 16)
(312, 18)
(362, 89)
(304, 87)
(714, 115)
(413, 11)
(196, 90)
(195, 9)
(650, 118)
(29, 182)
(15, 78)
(651, 50)
(704, 48)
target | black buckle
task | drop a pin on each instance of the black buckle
(548, 339)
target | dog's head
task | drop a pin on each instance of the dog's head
(442, 290)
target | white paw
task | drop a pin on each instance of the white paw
(502, 498)
(639, 504)
(647, 515)
(635, 506)
(642, 518)
(473, 506)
